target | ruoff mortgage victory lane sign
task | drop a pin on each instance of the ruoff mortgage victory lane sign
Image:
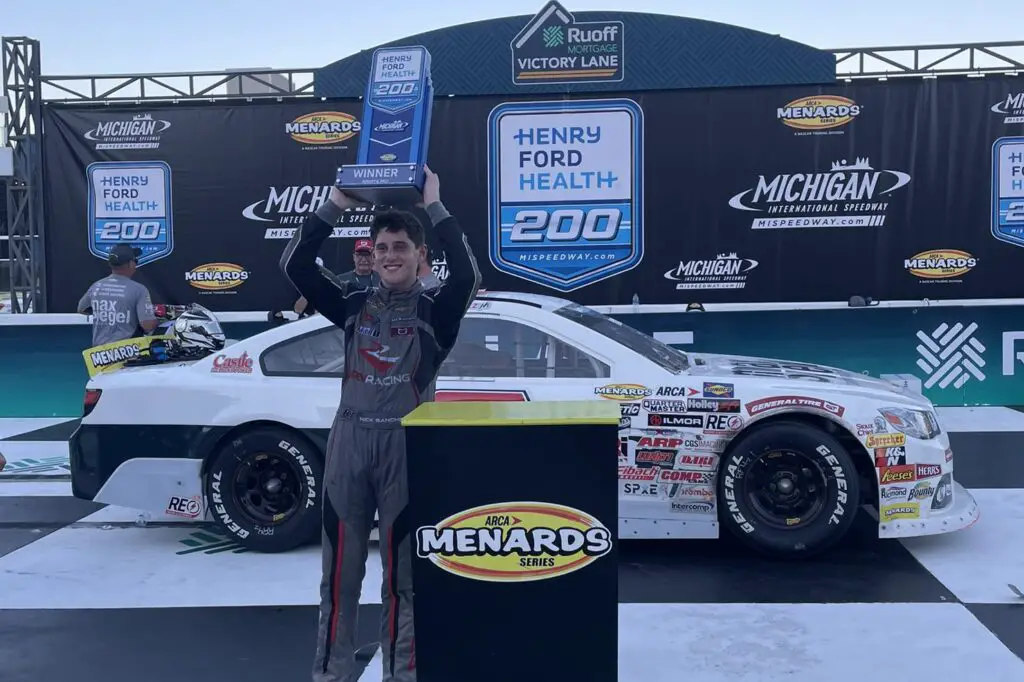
(554, 48)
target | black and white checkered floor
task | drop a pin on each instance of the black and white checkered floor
(86, 594)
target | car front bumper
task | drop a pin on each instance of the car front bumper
(962, 513)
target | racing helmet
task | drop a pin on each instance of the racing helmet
(198, 329)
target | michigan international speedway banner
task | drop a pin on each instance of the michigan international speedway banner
(906, 189)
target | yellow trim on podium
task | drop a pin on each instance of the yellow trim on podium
(536, 413)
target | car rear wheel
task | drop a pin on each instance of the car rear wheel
(264, 489)
(788, 489)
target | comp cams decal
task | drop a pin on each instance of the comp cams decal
(514, 542)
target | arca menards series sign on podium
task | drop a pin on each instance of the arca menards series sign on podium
(514, 542)
(565, 190)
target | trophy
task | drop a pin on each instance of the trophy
(395, 132)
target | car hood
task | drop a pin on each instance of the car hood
(793, 374)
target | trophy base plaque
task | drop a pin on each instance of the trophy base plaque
(389, 184)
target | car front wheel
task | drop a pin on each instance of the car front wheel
(264, 489)
(788, 489)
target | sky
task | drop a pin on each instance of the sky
(128, 36)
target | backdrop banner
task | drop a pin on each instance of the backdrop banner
(909, 189)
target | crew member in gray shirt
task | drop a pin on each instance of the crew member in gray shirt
(120, 307)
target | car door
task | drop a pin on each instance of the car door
(502, 358)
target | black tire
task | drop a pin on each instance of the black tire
(803, 517)
(237, 485)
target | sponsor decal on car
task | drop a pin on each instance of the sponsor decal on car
(654, 457)
(885, 440)
(692, 507)
(901, 510)
(624, 392)
(217, 277)
(921, 491)
(628, 473)
(683, 476)
(640, 489)
(514, 542)
(659, 442)
(629, 409)
(865, 429)
(928, 470)
(686, 491)
(699, 443)
(818, 114)
(893, 492)
(722, 423)
(899, 474)
(699, 461)
(949, 455)
(712, 405)
(713, 390)
(224, 364)
(676, 391)
(789, 401)
(890, 457)
(664, 406)
(692, 421)
(185, 507)
(323, 128)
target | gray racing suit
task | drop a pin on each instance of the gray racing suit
(395, 342)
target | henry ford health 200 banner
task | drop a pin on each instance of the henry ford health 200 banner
(565, 197)
(130, 203)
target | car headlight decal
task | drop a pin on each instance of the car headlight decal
(943, 493)
(920, 424)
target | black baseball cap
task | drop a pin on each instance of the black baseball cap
(122, 254)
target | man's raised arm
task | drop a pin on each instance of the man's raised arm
(452, 300)
(298, 262)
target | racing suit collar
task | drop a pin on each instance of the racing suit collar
(395, 295)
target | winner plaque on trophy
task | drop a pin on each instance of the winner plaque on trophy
(396, 130)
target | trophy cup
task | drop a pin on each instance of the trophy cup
(396, 130)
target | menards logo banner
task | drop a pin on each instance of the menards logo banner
(111, 356)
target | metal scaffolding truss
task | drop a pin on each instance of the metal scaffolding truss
(930, 60)
(203, 85)
(26, 88)
(23, 227)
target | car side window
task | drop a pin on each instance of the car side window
(491, 347)
(320, 354)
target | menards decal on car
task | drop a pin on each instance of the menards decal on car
(622, 391)
(783, 401)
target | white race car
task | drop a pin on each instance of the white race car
(781, 453)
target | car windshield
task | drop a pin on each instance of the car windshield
(664, 355)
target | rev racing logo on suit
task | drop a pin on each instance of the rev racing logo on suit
(380, 357)
(514, 542)
(818, 114)
(286, 207)
(847, 195)
(217, 277)
(141, 131)
(323, 129)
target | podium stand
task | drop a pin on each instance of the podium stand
(513, 508)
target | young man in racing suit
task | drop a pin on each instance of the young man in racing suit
(397, 334)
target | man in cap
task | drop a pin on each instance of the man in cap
(363, 274)
(121, 308)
